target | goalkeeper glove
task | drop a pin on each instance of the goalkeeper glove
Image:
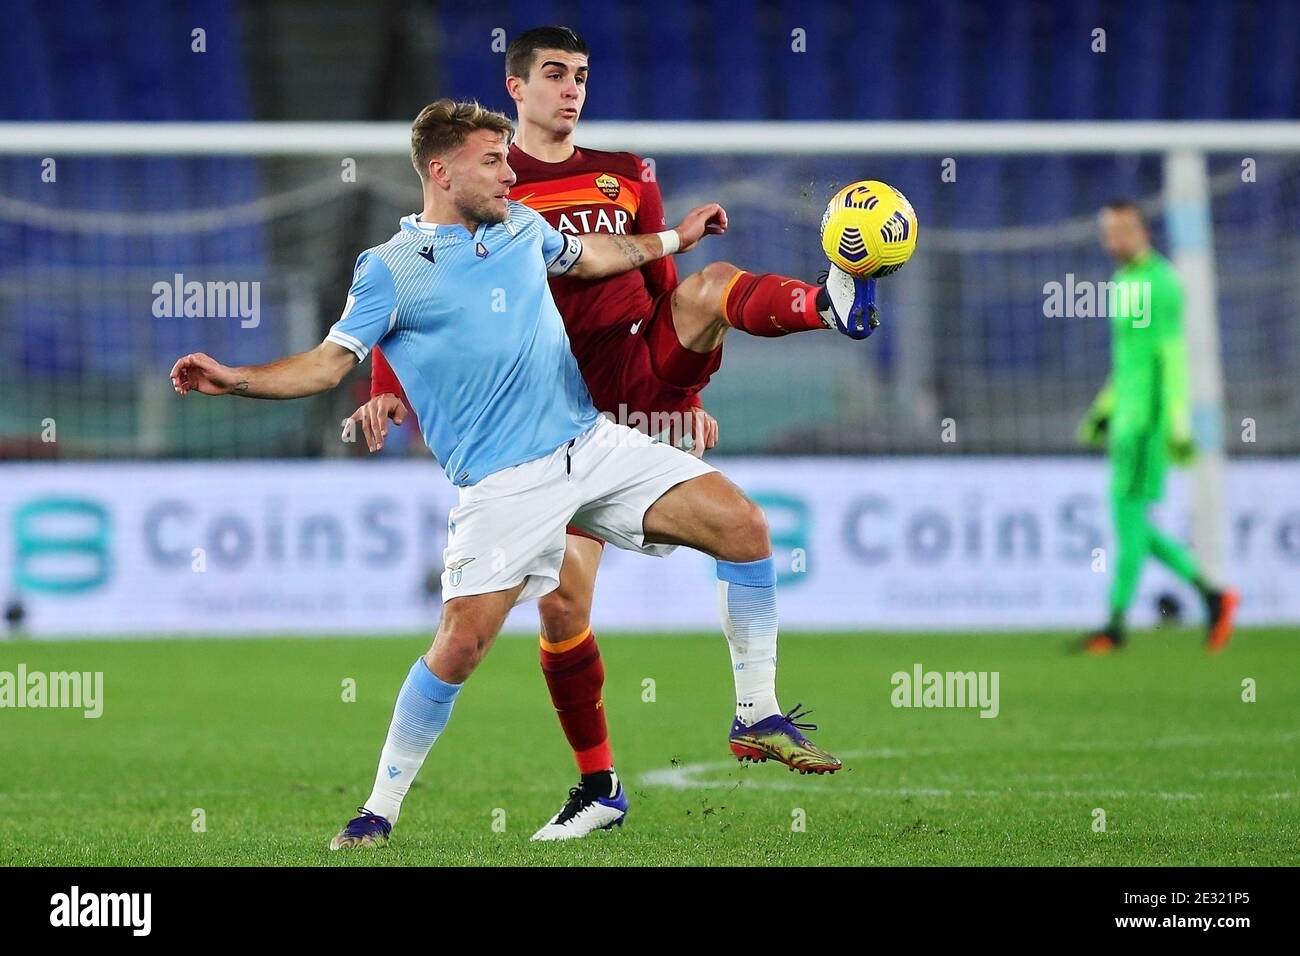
(1182, 449)
(1094, 427)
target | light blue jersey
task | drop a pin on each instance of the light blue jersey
(470, 328)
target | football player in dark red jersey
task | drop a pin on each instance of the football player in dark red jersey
(646, 343)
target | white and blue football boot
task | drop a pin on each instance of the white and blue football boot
(848, 304)
(590, 807)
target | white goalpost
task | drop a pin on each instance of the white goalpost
(695, 137)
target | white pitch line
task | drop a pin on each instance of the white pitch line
(688, 776)
(1234, 774)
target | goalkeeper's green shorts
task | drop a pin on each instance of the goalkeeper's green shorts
(1138, 462)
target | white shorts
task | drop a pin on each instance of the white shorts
(510, 527)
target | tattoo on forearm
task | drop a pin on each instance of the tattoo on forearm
(241, 387)
(631, 249)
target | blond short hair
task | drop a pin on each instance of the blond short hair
(445, 124)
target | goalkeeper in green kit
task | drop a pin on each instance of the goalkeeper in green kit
(1142, 417)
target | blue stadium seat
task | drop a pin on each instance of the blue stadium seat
(121, 61)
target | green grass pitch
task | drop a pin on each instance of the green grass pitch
(256, 734)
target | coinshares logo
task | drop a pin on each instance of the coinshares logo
(61, 546)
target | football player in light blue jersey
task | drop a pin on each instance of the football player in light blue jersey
(459, 299)
(466, 318)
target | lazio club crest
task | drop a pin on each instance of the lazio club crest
(455, 570)
(480, 250)
(608, 185)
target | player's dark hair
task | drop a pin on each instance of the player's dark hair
(1128, 205)
(445, 124)
(523, 48)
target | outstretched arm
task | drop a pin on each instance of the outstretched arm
(606, 255)
(295, 376)
(370, 313)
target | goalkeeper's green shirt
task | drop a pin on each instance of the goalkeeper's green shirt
(1148, 351)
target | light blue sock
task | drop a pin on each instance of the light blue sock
(747, 606)
(423, 709)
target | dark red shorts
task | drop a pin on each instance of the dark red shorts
(647, 370)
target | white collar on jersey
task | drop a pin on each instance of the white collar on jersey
(451, 228)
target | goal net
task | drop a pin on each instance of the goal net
(107, 232)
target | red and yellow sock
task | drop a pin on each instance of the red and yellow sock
(770, 305)
(575, 675)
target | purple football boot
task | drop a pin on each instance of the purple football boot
(779, 738)
(367, 830)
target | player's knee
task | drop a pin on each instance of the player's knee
(747, 533)
(719, 272)
(713, 280)
(457, 652)
(563, 616)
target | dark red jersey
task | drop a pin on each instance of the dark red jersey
(618, 326)
(596, 191)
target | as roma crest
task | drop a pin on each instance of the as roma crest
(608, 185)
